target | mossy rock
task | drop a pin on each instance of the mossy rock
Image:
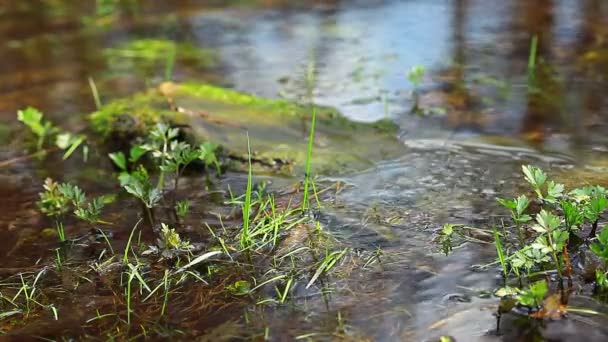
(278, 130)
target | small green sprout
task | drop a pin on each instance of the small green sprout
(52, 201)
(182, 208)
(34, 119)
(57, 199)
(415, 75)
(517, 207)
(534, 295)
(536, 177)
(239, 288)
(138, 184)
(446, 238)
(169, 244)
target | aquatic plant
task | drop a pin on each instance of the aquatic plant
(58, 199)
(182, 208)
(169, 245)
(45, 132)
(415, 74)
(546, 238)
(34, 120)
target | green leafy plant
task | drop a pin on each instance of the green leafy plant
(45, 132)
(536, 177)
(534, 295)
(58, 199)
(169, 244)
(552, 239)
(544, 237)
(447, 232)
(517, 207)
(139, 185)
(34, 119)
(239, 288)
(415, 75)
(182, 208)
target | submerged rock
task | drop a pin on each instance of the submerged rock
(278, 130)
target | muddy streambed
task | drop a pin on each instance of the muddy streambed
(383, 201)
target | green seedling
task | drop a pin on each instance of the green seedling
(138, 184)
(180, 155)
(534, 295)
(536, 177)
(239, 288)
(552, 239)
(45, 131)
(58, 199)
(415, 75)
(169, 245)
(573, 215)
(595, 208)
(122, 162)
(158, 144)
(182, 208)
(41, 128)
(446, 238)
(517, 207)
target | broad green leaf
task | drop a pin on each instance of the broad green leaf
(507, 203)
(119, 160)
(136, 152)
(603, 235)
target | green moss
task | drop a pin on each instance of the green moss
(328, 115)
(132, 115)
(278, 129)
(228, 96)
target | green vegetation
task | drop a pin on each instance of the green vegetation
(274, 244)
(545, 238)
(221, 115)
(44, 132)
(415, 76)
